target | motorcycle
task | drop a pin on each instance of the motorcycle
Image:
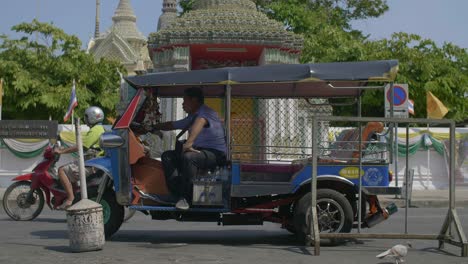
(24, 199)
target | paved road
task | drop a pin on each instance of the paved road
(142, 240)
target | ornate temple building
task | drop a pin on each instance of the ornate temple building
(220, 33)
(123, 41)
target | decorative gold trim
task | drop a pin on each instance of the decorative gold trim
(228, 82)
(311, 79)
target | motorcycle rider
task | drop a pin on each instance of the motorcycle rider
(69, 173)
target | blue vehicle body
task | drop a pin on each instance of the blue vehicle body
(256, 185)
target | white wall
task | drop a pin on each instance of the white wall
(430, 170)
(12, 166)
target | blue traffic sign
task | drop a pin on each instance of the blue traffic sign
(399, 95)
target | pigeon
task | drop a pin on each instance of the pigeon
(397, 252)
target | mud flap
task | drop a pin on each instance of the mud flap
(102, 187)
(376, 213)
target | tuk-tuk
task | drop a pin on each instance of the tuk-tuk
(266, 112)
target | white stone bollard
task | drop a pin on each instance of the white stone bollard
(85, 226)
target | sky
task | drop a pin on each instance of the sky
(439, 20)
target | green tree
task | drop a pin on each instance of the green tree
(39, 67)
(325, 25)
(338, 12)
(186, 5)
(425, 67)
(335, 12)
(328, 37)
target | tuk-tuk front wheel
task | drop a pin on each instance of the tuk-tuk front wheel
(334, 213)
(112, 212)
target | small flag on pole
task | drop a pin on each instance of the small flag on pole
(73, 103)
(435, 108)
(411, 106)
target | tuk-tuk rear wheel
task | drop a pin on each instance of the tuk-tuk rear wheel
(334, 213)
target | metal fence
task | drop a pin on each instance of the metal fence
(451, 230)
(280, 131)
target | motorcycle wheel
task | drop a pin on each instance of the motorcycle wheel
(112, 212)
(16, 204)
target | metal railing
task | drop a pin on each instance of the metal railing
(280, 130)
(446, 235)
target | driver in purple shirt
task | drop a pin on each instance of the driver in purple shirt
(205, 147)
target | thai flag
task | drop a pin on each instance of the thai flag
(73, 103)
(411, 106)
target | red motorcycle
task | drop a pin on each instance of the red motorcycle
(24, 199)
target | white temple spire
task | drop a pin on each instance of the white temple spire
(169, 13)
(96, 28)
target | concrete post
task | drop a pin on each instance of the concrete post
(85, 220)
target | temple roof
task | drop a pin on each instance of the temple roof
(123, 41)
(115, 47)
(124, 22)
(228, 22)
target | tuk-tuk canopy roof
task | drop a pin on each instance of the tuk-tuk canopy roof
(339, 79)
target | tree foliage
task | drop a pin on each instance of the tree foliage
(328, 37)
(38, 70)
(424, 66)
(186, 5)
(332, 12)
